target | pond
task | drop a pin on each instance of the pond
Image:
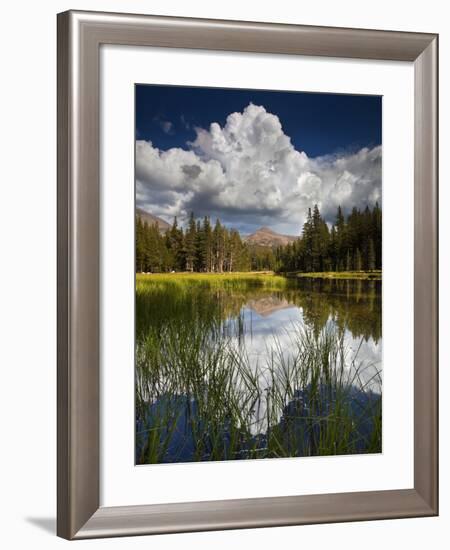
(240, 368)
(271, 320)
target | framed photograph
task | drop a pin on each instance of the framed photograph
(247, 274)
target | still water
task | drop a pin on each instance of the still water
(269, 321)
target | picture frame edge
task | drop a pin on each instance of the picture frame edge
(265, 512)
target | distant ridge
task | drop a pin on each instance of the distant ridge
(264, 236)
(151, 220)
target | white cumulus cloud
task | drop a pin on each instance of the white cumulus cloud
(249, 174)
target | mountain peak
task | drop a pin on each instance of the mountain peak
(265, 229)
(151, 219)
(265, 236)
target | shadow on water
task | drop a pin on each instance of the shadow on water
(305, 421)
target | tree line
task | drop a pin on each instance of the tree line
(352, 243)
(200, 247)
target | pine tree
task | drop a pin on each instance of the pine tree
(377, 234)
(315, 240)
(341, 244)
(199, 244)
(190, 243)
(371, 259)
(218, 247)
(153, 249)
(173, 243)
(332, 250)
(358, 260)
(207, 245)
(348, 261)
(307, 238)
(140, 245)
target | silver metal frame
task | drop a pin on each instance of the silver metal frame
(80, 35)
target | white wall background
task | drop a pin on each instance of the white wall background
(28, 270)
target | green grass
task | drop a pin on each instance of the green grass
(196, 388)
(366, 275)
(233, 279)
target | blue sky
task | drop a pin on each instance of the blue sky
(275, 148)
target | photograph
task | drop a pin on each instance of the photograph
(258, 259)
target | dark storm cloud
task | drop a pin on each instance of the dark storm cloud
(193, 170)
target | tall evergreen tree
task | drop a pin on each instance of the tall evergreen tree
(371, 258)
(348, 261)
(140, 245)
(190, 243)
(207, 253)
(341, 240)
(358, 260)
(377, 234)
(218, 244)
(175, 244)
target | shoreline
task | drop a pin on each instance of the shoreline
(375, 275)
